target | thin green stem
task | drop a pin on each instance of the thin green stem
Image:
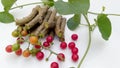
(104, 13)
(25, 5)
(48, 56)
(84, 24)
(89, 43)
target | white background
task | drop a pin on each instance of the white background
(103, 54)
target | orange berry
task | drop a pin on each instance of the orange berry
(33, 40)
(24, 33)
(26, 53)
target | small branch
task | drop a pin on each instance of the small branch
(104, 13)
(48, 56)
(26, 5)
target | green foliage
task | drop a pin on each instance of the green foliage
(104, 25)
(6, 17)
(8, 4)
(74, 22)
(72, 6)
(48, 2)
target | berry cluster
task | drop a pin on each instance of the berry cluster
(38, 46)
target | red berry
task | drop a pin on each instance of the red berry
(40, 55)
(46, 44)
(74, 36)
(20, 40)
(71, 45)
(9, 48)
(37, 46)
(49, 39)
(63, 45)
(75, 57)
(61, 57)
(74, 50)
(18, 52)
(54, 65)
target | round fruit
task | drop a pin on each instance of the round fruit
(26, 53)
(33, 40)
(18, 52)
(37, 46)
(34, 51)
(54, 65)
(71, 45)
(40, 55)
(75, 57)
(15, 33)
(74, 50)
(74, 36)
(20, 40)
(49, 39)
(15, 46)
(24, 33)
(61, 57)
(9, 48)
(46, 44)
(63, 45)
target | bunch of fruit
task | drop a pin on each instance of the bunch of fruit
(38, 46)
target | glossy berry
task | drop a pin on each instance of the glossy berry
(40, 55)
(63, 45)
(15, 46)
(54, 65)
(26, 53)
(37, 46)
(33, 40)
(18, 52)
(9, 48)
(49, 39)
(74, 50)
(75, 57)
(61, 57)
(20, 40)
(24, 32)
(46, 44)
(15, 33)
(74, 36)
(34, 51)
(71, 45)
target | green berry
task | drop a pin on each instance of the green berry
(15, 33)
(34, 51)
(15, 46)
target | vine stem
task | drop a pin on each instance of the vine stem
(42, 2)
(89, 43)
(104, 13)
(26, 5)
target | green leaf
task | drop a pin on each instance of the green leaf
(48, 2)
(6, 17)
(72, 6)
(74, 22)
(7, 4)
(79, 6)
(62, 7)
(104, 26)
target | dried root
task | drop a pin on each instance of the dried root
(42, 22)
